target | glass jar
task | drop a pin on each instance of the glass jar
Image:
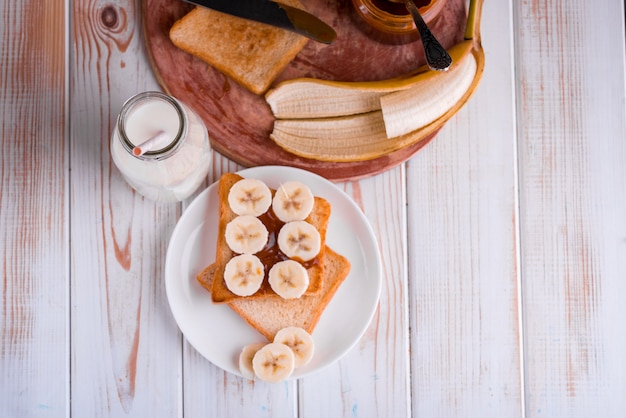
(161, 147)
(391, 22)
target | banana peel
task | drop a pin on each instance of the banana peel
(307, 98)
(359, 121)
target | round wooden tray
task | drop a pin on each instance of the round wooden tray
(240, 122)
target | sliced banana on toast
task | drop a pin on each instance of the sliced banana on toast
(250, 223)
(299, 240)
(246, 235)
(249, 197)
(293, 201)
(244, 274)
(288, 279)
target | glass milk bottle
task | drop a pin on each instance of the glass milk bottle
(161, 147)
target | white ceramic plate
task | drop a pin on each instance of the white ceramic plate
(217, 332)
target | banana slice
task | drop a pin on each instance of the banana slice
(244, 274)
(299, 240)
(300, 342)
(293, 201)
(245, 359)
(246, 234)
(249, 197)
(288, 279)
(273, 363)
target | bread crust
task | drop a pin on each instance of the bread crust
(269, 315)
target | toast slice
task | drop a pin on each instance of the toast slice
(251, 53)
(271, 314)
(319, 218)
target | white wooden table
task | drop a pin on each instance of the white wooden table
(503, 241)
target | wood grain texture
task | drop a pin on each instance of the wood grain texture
(503, 242)
(572, 205)
(126, 349)
(210, 391)
(33, 211)
(463, 281)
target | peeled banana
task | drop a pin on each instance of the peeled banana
(346, 138)
(407, 110)
(313, 98)
(357, 121)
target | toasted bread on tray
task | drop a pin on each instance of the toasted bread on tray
(251, 53)
(271, 314)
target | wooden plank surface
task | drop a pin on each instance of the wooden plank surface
(463, 281)
(126, 349)
(503, 241)
(34, 247)
(572, 204)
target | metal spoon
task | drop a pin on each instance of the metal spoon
(437, 57)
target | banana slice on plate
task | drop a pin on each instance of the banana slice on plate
(245, 359)
(273, 363)
(246, 234)
(293, 201)
(299, 240)
(288, 279)
(249, 197)
(244, 274)
(300, 342)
